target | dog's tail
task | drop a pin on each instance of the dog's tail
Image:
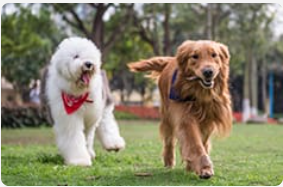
(154, 65)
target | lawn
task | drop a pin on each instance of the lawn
(252, 155)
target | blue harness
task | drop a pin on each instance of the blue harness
(173, 94)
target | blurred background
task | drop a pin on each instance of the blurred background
(129, 32)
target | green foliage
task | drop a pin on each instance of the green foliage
(275, 52)
(19, 117)
(252, 34)
(30, 35)
(27, 40)
(131, 49)
(188, 22)
(29, 157)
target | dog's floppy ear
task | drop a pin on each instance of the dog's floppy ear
(224, 52)
(183, 52)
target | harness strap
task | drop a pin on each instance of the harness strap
(174, 95)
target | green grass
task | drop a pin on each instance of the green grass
(252, 155)
(125, 116)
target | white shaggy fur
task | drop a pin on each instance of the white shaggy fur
(75, 132)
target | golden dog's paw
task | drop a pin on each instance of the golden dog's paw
(206, 173)
(169, 163)
(206, 167)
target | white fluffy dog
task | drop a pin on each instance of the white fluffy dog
(77, 99)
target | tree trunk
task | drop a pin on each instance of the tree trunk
(209, 21)
(263, 88)
(97, 27)
(216, 21)
(122, 96)
(254, 86)
(166, 27)
(143, 96)
(155, 39)
(155, 46)
(246, 99)
(97, 36)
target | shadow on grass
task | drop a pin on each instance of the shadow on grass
(155, 177)
(46, 158)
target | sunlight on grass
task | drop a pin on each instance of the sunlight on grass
(252, 155)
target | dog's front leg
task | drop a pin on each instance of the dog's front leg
(71, 141)
(90, 134)
(193, 150)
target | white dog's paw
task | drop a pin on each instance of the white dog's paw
(79, 162)
(114, 143)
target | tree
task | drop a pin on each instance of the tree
(131, 49)
(26, 45)
(166, 26)
(154, 23)
(89, 20)
(249, 22)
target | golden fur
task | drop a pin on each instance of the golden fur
(192, 122)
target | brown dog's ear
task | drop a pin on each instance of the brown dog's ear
(224, 52)
(183, 52)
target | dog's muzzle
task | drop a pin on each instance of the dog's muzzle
(87, 71)
(207, 80)
(205, 83)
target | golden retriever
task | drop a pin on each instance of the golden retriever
(195, 101)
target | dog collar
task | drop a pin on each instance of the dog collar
(174, 95)
(73, 103)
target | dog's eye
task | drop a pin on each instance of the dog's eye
(76, 56)
(195, 56)
(214, 55)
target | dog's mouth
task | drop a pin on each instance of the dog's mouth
(85, 77)
(207, 84)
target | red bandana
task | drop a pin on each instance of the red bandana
(72, 103)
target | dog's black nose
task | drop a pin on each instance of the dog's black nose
(207, 73)
(88, 65)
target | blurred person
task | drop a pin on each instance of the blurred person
(34, 94)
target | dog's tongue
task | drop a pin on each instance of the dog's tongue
(85, 78)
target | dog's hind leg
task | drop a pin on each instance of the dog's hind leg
(108, 131)
(169, 142)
